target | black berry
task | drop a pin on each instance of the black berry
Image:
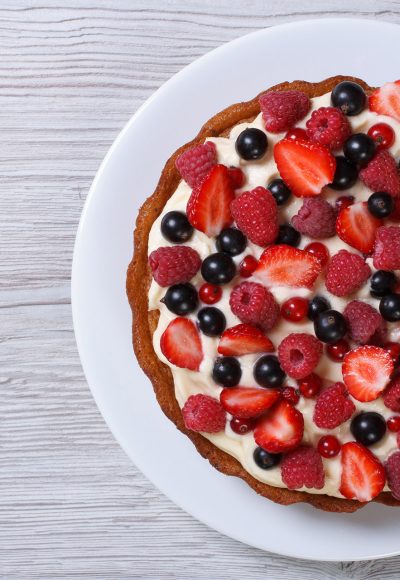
(266, 460)
(279, 190)
(251, 144)
(389, 307)
(349, 97)
(368, 428)
(288, 235)
(227, 371)
(232, 241)
(382, 283)
(317, 305)
(381, 204)
(218, 268)
(181, 299)
(346, 174)
(268, 372)
(330, 326)
(359, 148)
(175, 227)
(212, 321)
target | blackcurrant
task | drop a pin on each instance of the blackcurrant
(368, 428)
(389, 307)
(346, 174)
(251, 144)
(288, 235)
(359, 148)
(181, 299)
(349, 97)
(279, 190)
(317, 305)
(381, 204)
(382, 283)
(218, 268)
(227, 371)
(268, 371)
(212, 321)
(266, 460)
(232, 241)
(330, 326)
(175, 227)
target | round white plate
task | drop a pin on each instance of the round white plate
(237, 71)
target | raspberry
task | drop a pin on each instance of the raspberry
(381, 174)
(256, 214)
(254, 304)
(195, 163)
(303, 467)
(203, 413)
(391, 397)
(392, 466)
(299, 354)
(328, 126)
(174, 265)
(387, 248)
(316, 218)
(346, 273)
(363, 321)
(282, 110)
(333, 407)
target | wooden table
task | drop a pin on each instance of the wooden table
(71, 503)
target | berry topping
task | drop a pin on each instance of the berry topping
(232, 241)
(328, 126)
(381, 204)
(175, 227)
(247, 266)
(382, 283)
(288, 235)
(251, 144)
(359, 148)
(296, 133)
(346, 174)
(381, 174)
(387, 248)
(181, 299)
(268, 372)
(383, 135)
(247, 402)
(283, 109)
(329, 446)
(393, 348)
(244, 339)
(343, 202)
(391, 397)
(294, 309)
(304, 166)
(393, 424)
(237, 177)
(349, 97)
(357, 227)
(174, 265)
(227, 371)
(393, 474)
(338, 350)
(211, 321)
(362, 321)
(242, 426)
(256, 214)
(208, 208)
(386, 100)
(281, 429)
(299, 354)
(203, 413)
(363, 475)
(316, 218)
(389, 307)
(195, 163)
(290, 394)
(287, 266)
(280, 191)
(252, 303)
(333, 407)
(316, 306)
(266, 460)
(366, 372)
(210, 294)
(346, 273)
(303, 467)
(180, 343)
(368, 428)
(319, 251)
(330, 326)
(218, 268)
(310, 386)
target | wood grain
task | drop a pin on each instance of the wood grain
(71, 503)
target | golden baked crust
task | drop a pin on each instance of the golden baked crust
(145, 322)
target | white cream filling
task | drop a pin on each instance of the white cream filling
(189, 383)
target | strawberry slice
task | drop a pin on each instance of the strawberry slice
(363, 475)
(208, 208)
(304, 166)
(356, 226)
(244, 339)
(283, 265)
(366, 372)
(247, 402)
(281, 429)
(181, 345)
(386, 100)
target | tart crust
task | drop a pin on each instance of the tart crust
(145, 322)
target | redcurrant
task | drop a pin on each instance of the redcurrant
(296, 133)
(310, 386)
(393, 423)
(318, 250)
(393, 348)
(242, 426)
(210, 294)
(383, 135)
(237, 177)
(328, 446)
(247, 266)
(294, 309)
(337, 350)
(290, 394)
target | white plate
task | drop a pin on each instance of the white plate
(237, 71)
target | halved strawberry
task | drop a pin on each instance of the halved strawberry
(283, 265)
(386, 100)
(356, 226)
(247, 402)
(304, 166)
(244, 339)
(363, 475)
(281, 429)
(366, 372)
(208, 208)
(181, 345)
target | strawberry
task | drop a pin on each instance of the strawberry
(363, 475)
(304, 166)
(386, 100)
(181, 345)
(366, 372)
(208, 208)
(283, 265)
(281, 429)
(247, 402)
(356, 226)
(244, 339)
